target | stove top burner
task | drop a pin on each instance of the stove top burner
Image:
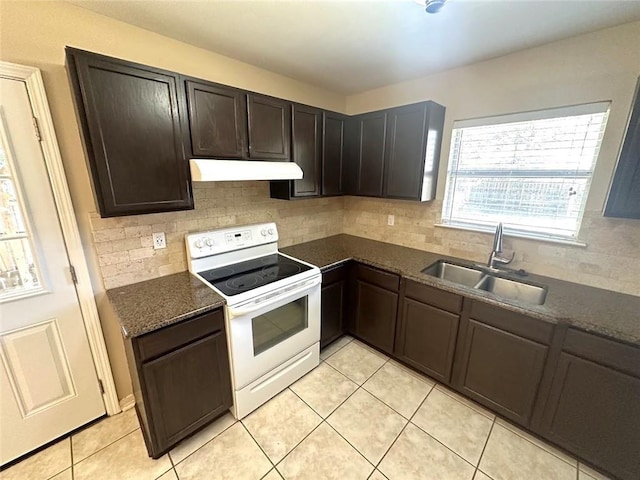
(244, 276)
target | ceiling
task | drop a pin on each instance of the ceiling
(353, 46)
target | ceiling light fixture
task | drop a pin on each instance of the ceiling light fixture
(434, 6)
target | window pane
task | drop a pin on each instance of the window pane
(532, 175)
(11, 221)
(18, 273)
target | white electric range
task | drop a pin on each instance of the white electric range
(272, 310)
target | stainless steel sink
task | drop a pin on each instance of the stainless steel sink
(513, 290)
(454, 273)
(483, 279)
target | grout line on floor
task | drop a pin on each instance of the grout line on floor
(205, 443)
(486, 442)
(108, 445)
(259, 446)
(296, 446)
(576, 466)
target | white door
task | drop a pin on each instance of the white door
(48, 382)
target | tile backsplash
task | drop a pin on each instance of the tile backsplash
(125, 253)
(611, 259)
(124, 244)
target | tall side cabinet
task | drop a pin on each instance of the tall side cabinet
(624, 195)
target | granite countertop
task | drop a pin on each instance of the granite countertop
(146, 306)
(613, 314)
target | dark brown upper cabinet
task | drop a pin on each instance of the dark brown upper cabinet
(129, 115)
(369, 158)
(624, 195)
(414, 137)
(306, 132)
(217, 120)
(333, 136)
(269, 128)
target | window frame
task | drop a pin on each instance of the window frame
(447, 219)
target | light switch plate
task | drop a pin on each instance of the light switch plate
(391, 220)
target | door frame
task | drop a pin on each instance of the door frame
(32, 77)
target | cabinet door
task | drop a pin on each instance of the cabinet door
(307, 124)
(371, 154)
(624, 196)
(333, 304)
(376, 310)
(217, 120)
(500, 370)
(333, 127)
(594, 411)
(130, 120)
(187, 388)
(269, 128)
(427, 338)
(414, 136)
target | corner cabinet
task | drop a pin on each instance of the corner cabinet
(624, 195)
(269, 122)
(369, 154)
(181, 379)
(593, 405)
(333, 138)
(334, 304)
(130, 119)
(306, 133)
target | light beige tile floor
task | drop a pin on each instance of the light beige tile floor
(358, 415)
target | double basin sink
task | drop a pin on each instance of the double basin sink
(482, 278)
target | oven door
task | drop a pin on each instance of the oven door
(268, 331)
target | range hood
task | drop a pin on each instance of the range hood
(236, 170)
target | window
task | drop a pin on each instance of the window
(531, 171)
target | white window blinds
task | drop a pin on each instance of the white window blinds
(531, 170)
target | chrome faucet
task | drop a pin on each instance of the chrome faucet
(494, 259)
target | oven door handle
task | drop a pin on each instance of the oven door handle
(277, 297)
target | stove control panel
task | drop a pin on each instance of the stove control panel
(214, 242)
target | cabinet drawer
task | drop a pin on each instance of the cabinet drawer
(433, 296)
(512, 322)
(169, 338)
(387, 280)
(604, 351)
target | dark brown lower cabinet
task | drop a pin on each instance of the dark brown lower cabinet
(500, 359)
(333, 304)
(181, 379)
(593, 406)
(426, 333)
(376, 306)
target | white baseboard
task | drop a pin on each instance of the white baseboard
(127, 403)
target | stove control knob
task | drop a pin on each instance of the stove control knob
(198, 243)
(264, 232)
(209, 242)
(271, 231)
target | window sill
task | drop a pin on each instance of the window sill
(570, 243)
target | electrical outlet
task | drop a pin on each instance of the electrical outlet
(159, 241)
(391, 220)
